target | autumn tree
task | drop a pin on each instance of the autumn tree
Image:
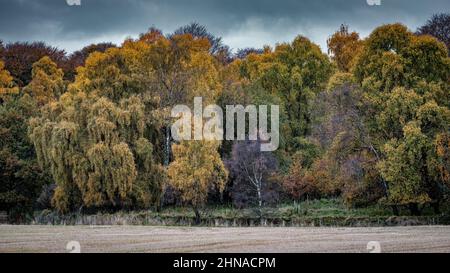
(442, 163)
(402, 167)
(295, 73)
(220, 51)
(47, 81)
(95, 139)
(298, 183)
(20, 175)
(404, 78)
(344, 47)
(253, 173)
(122, 72)
(233, 93)
(370, 125)
(110, 121)
(181, 69)
(7, 86)
(412, 160)
(79, 57)
(242, 53)
(437, 26)
(196, 169)
(103, 157)
(345, 164)
(18, 168)
(20, 57)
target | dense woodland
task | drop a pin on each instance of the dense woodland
(88, 131)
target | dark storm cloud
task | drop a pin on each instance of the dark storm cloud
(241, 23)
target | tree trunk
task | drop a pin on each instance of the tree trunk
(167, 146)
(166, 161)
(197, 216)
(259, 198)
(258, 189)
(80, 210)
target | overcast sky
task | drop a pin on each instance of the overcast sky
(241, 23)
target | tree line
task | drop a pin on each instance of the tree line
(367, 122)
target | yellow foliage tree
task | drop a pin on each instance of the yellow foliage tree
(197, 168)
(181, 68)
(47, 82)
(96, 139)
(344, 47)
(404, 167)
(6, 82)
(442, 144)
(97, 152)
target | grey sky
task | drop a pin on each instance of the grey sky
(241, 23)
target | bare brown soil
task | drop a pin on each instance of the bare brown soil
(36, 238)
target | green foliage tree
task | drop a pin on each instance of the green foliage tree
(405, 83)
(295, 73)
(20, 175)
(404, 167)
